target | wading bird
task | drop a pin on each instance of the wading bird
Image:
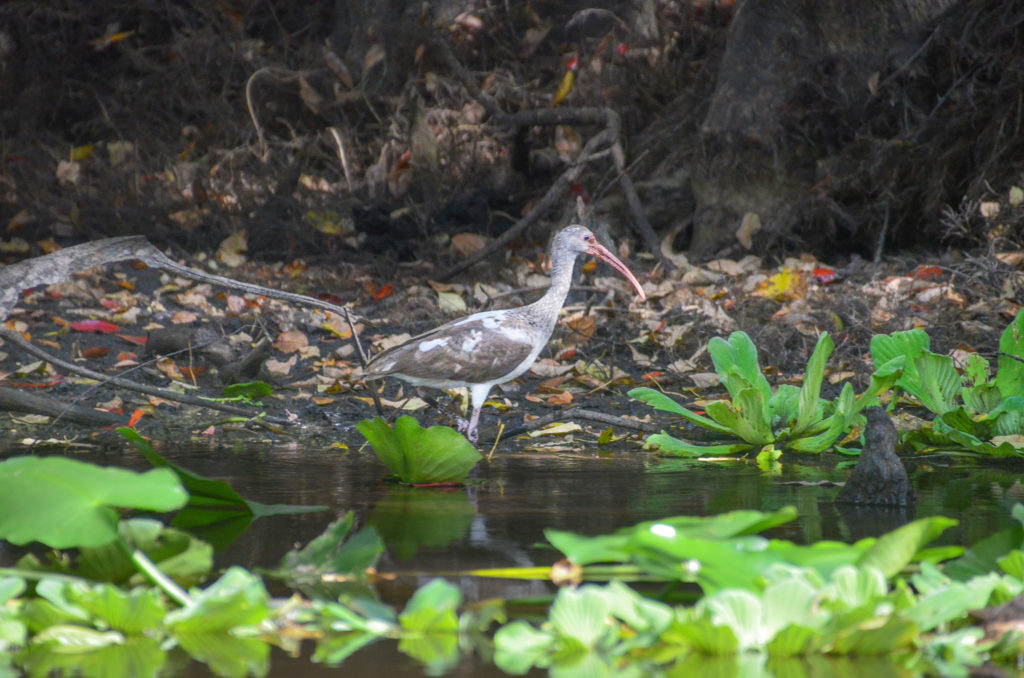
(492, 347)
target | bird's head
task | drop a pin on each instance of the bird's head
(578, 239)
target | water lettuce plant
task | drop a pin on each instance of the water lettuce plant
(975, 411)
(416, 455)
(769, 600)
(791, 418)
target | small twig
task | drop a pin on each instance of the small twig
(282, 75)
(587, 415)
(497, 439)
(362, 362)
(339, 144)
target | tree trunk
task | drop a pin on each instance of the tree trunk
(787, 64)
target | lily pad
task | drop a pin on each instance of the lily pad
(416, 455)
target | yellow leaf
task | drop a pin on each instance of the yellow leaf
(450, 302)
(80, 153)
(564, 88)
(786, 285)
(556, 429)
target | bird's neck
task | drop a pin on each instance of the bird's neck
(561, 281)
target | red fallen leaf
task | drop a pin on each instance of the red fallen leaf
(192, 372)
(650, 376)
(101, 326)
(329, 298)
(622, 48)
(94, 352)
(109, 304)
(126, 355)
(132, 339)
(36, 384)
(567, 354)
(573, 64)
(926, 272)
(729, 304)
(824, 275)
(383, 291)
(136, 416)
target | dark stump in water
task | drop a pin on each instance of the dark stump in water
(879, 478)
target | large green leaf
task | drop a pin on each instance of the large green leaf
(894, 550)
(746, 416)
(134, 657)
(432, 609)
(518, 646)
(909, 344)
(736, 363)
(417, 455)
(810, 392)
(65, 503)
(581, 614)
(939, 382)
(131, 613)
(660, 401)
(1010, 364)
(237, 600)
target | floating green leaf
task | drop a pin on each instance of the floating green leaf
(65, 503)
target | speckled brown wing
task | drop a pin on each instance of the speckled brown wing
(472, 350)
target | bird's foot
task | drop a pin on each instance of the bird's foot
(465, 426)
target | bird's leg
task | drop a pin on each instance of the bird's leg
(470, 427)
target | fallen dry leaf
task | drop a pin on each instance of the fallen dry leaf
(232, 249)
(468, 244)
(291, 341)
(278, 368)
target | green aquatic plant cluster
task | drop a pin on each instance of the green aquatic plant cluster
(974, 411)
(767, 421)
(766, 602)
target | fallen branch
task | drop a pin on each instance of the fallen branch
(587, 415)
(19, 400)
(167, 394)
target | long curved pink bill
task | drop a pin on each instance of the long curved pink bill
(602, 253)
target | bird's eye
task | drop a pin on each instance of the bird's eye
(586, 238)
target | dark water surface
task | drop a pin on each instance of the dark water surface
(498, 519)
